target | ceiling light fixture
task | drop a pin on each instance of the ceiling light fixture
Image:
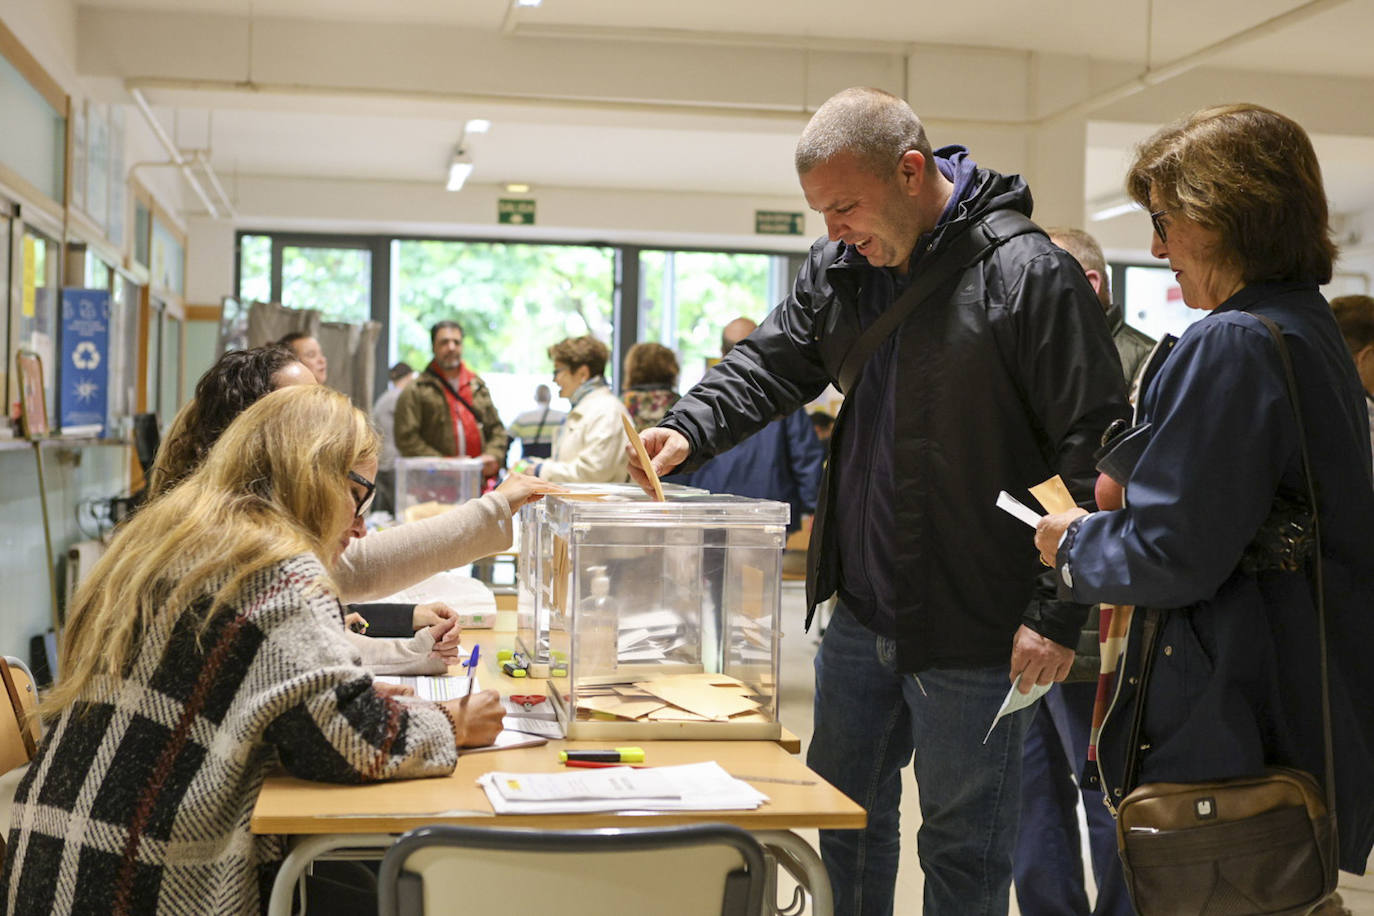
(476, 126)
(530, 3)
(1111, 207)
(459, 168)
(518, 188)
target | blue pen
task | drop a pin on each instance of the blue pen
(472, 668)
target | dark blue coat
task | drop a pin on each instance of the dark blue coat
(1235, 681)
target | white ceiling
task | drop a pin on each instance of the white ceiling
(408, 138)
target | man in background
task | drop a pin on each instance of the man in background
(781, 462)
(535, 428)
(384, 418)
(1131, 345)
(448, 412)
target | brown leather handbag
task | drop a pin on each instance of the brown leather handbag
(1237, 847)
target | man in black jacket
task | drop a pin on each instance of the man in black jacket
(1001, 377)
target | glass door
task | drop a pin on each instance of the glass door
(336, 280)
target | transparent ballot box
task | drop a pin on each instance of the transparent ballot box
(444, 480)
(657, 620)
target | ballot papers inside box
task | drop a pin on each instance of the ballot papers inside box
(532, 618)
(446, 481)
(664, 616)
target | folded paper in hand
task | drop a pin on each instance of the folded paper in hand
(1017, 700)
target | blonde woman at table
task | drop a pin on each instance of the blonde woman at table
(206, 648)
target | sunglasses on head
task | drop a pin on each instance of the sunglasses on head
(365, 501)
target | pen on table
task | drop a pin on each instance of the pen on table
(598, 764)
(472, 668)
(614, 755)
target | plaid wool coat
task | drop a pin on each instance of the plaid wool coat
(140, 796)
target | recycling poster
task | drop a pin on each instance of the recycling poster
(85, 360)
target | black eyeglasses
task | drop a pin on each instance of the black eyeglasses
(1159, 225)
(365, 502)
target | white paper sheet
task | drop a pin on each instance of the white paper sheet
(1016, 700)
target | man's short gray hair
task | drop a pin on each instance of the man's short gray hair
(1087, 253)
(876, 126)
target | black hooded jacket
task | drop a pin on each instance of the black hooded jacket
(997, 381)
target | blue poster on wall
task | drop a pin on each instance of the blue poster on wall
(85, 360)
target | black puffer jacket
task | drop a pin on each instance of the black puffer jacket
(1001, 380)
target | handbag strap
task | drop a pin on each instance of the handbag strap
(1318, 584)
(972, 246)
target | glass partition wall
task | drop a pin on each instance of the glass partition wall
(514, 299)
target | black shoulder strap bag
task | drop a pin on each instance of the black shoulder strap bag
(933, 274)
(1239, 847)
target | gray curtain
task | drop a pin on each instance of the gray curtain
(349, 348)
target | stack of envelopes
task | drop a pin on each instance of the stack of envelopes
(698, 697)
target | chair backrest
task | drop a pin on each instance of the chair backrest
(670, 871)
(18, 742)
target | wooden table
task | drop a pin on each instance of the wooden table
(320, 817)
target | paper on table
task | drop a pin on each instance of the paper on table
(1016, 700)
(545, 728)
(697, 786)
(442, 687)
(509, 738)
(1053, 495)
(1013, 506)
(644, 461)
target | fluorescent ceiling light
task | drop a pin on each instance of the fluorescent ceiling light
(1109, 209)
(518, 188)
(528, 2)
(458, 171)
(477, 126)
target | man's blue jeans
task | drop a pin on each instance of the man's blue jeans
(1049, 860)
(869, 719)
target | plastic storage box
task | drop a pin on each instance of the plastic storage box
(445, 480)
(661, 617)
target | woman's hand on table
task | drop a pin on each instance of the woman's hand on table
(1049, 531)
(430, 613)
(446, 634)
(521, 488)
(476, 718)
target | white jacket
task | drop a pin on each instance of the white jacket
(590, 445)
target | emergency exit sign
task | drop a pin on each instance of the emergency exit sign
(515, 211)
(779, 222)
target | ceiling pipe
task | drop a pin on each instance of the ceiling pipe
(177, 158)
(1153, 76)
(202, 158)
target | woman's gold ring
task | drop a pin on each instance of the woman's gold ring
(1045, 562)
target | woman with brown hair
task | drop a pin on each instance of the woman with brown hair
(590, 446)
(649, 388)
(1236, 198)
(205, 648)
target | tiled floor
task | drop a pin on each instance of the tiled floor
(799, 648)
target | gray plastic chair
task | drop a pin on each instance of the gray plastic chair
(691, 870)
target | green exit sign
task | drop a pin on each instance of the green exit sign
(779, 222)
(515, 211)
